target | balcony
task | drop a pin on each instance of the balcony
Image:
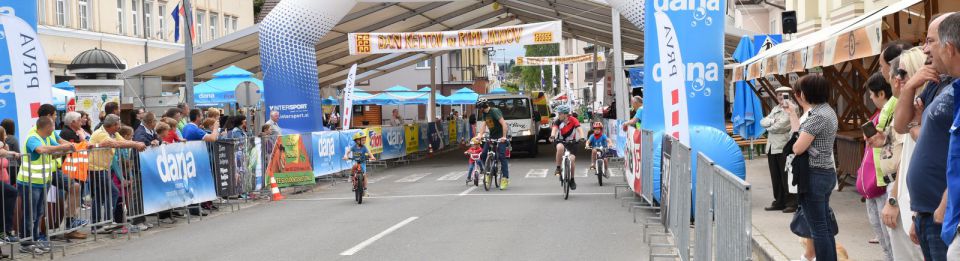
(465, 74)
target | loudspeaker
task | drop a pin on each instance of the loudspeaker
(789, 19)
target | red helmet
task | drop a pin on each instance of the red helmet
(597, 125)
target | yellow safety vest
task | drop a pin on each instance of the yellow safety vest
(37, 171)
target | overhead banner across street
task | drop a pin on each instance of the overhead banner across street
(556, 60)
(517, 35)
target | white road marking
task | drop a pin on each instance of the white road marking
(456, 175)
(537, 173)
(413, 177)
(456, 195)
(581, 174)
(365, 243)
(465, 192)
(375, 179)
(616, 172)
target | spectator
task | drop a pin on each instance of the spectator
(12, 143)
(8, 192)
(74, 133)
(473, 124)
(637, 119)
(72, 129)
(172, 135)
(333, 122)
(85, 122)
(101, 171)
(238, 127)
(870, 177)
(396, 120)
(109, 108)
(32, 182)
(192, 130)
(163, 129)
(902, 67)
(777, 124)
(145, 132)
(176, 115)
(274, 122)
(817, 131)
(184, 110)
(138, 119)
(926, 180)
(122, 166)
(946, 59)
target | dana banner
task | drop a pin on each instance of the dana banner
(176, 175)
(25, 81)
(424, 137)
(290, 164)
(411, 133)
(374, 139)
(329, 149)
(557, 60)
(403, 42)
(393, 143)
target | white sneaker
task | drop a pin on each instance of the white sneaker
(142, 227)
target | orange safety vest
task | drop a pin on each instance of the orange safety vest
(77, 163)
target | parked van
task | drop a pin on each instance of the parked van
(522, 120)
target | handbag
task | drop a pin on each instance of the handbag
(890, 152)
(801, 228)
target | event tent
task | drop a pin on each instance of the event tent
(498, 90)
(330, 101)
(460, 97)
(221, 89)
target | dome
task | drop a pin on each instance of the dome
(96, 59)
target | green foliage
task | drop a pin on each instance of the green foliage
(257, 6)
(530, 75)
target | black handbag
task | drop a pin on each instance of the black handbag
(800, 227)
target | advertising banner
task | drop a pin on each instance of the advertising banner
(226, 168)
(517, 35)
(411, 134)
(92, 103)
(424, 137)
(329, 148)
(393, 146)
(452, 132)
(290, 164)
(374, 139)
(683, 68)
(256, 163)
(176, 175)
(25, 81)
(556, 60)
(348, 99)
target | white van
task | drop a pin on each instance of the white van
(521, 120)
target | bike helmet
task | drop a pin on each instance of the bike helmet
(598, 125)
(360, 135)
(475, 141)
(563, 109)
(483, 102)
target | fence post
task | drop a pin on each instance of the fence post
(704, 209)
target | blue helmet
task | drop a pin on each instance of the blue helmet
(563, 108)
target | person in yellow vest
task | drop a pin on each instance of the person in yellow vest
(36, 172)
(103, 142)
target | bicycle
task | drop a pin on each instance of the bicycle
(492, 172)
(477, 169)
(566, 175)
(359, 187)
(600, 166)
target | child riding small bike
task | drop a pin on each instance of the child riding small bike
(473, 153)
(358, 151)
(599, 143)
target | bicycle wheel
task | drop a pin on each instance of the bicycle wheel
(599, 170)
(495, 174)
(476, 175)
(566, 179)
(360, 188)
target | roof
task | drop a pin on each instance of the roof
(585, 20)
(96, 59)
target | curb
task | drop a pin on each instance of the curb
(763, 249)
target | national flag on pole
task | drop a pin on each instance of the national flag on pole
(178, 11)
(543, 82)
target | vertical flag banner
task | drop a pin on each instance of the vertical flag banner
(348, 99)
(288, 57)
(25, 81)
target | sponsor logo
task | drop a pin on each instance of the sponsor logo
(686, 5)
(543, 37)
(709, 71)
(363, 43)
(376, 140)
(395, 137)
(326, 147)
(176, 166)
(206, 96)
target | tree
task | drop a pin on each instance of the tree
(530, 75)
(257, 6)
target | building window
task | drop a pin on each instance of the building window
(213, 25)
(83, 11)
(226, 25)
(424, 64)
(135, 18)
(234, 25)
(162, 12)
(147, 19)
(199, 23)
(41, 11)
(120, 18)
(62, 12)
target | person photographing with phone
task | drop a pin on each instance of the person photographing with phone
(777, 124)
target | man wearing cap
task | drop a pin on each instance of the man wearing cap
(777, 124)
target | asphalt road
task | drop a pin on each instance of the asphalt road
(419, 211)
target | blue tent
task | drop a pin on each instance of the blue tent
(62, 96)
(330, 101)
(747, 109)
(461, 96)
(498, 90)
(65, 86)
(222, 87)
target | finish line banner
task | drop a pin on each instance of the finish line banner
(556, 60)
(525, 34)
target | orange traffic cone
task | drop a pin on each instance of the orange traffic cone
(276, 190)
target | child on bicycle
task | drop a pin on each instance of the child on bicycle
(473, 152)
(597, 143)
(358, 152)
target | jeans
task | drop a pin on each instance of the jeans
(874, 206)
(9, 198)
(816, 203)
(778, 177)
(502, 154)
(928, 232)
(103, 190)
(34, 199)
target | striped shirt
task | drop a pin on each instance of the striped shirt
(822, 124)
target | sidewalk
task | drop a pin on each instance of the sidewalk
(775, 226)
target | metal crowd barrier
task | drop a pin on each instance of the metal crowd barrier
(646, 166)
(703, 241)
(235, 177)
(677, 201)
(733, 223)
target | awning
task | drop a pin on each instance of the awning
(849, 40)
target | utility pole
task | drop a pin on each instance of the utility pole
(188, 53)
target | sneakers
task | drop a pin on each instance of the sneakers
(557, 173)
(76, 235)
(504, 182)
(32, 249)
(9, 237)
(142, 227)
(573, 184)
(77, 222)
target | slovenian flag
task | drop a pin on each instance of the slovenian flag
(177, 12)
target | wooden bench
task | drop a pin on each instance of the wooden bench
(758, 147)
(848, 152)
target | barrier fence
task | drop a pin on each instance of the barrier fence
(721, 215)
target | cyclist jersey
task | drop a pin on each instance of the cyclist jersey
(359, 152)
(597, 141)
(567, 128)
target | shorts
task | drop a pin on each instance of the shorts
(573, 147)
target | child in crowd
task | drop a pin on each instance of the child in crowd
(473, 153)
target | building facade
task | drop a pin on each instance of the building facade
(136, 31)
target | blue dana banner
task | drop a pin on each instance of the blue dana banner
(328, 153)
(26, 10)
(394, 145)
(683, 76)
(176, 175)
(424, 136)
